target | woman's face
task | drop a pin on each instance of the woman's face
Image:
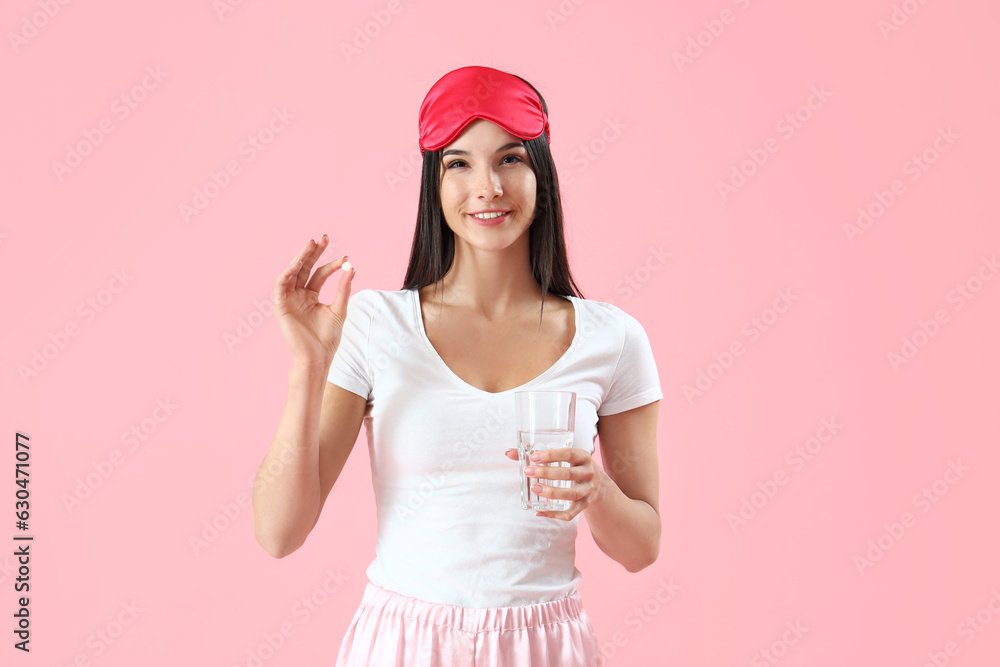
(487, 169)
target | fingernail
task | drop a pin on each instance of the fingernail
(529, 471)
(536, 457)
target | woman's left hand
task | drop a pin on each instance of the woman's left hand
(589, 479)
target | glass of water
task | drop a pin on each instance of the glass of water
(545, 420)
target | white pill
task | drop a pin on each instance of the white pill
(346, 266)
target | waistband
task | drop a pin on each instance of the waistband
(473, 619)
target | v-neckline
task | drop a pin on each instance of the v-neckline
(440, 360)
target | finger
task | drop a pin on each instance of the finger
(294, 263)
(549, 455)
(551, 472)
(322, 273)
(313, 251)
(566, 515)
(283, 284)
(339, 304)
(555, 492)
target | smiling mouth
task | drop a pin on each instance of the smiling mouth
(489, 216)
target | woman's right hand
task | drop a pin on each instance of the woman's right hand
(311, 329)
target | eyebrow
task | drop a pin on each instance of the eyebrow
(513, 144)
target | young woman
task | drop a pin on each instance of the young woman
(463, 575)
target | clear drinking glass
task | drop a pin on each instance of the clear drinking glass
(545, 420)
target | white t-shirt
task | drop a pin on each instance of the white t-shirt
(450, 525)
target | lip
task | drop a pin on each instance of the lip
(490, 223)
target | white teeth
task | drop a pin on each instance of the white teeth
(488, 216)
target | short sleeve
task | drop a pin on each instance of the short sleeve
(635, 381)
(350, 368)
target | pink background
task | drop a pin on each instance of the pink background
(642, 143)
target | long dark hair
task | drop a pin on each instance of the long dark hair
(433, 248)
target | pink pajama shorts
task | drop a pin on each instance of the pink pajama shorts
(393, 630)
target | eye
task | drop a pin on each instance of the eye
(462, 162)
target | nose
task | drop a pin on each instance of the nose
(489, 184)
